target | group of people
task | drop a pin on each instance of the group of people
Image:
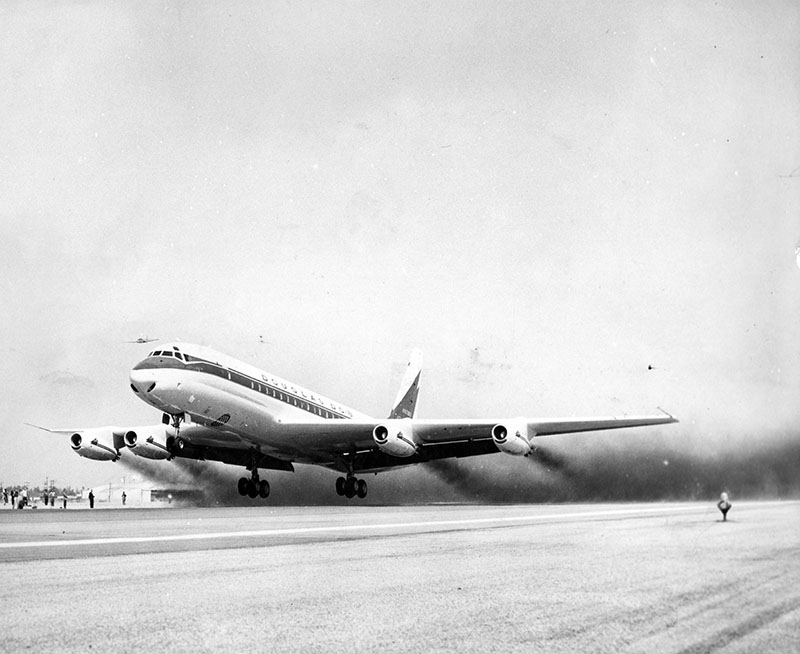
(51, 497)
(19, 499)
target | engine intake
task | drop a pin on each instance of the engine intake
(395, 437)
(97, 444)
(148, 442)
(512, 438)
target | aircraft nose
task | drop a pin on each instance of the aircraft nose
(142, 381)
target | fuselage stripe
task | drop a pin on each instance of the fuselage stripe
(276, 392)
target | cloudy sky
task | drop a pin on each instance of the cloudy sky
(546, 198)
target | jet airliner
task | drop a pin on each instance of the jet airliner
(217, 408)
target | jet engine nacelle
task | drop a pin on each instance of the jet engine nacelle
(148, 442)
(97, 444)
(395, 437)
(512, 438)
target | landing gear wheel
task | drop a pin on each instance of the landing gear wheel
(340, 482)
(242, 487)
(263, 489)
(361, 488)
(252, 489)
(350, 487)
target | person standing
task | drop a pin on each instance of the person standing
(91, 499)
(64, 498)
(124, 497)
(724, 505)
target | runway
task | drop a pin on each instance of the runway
(466, 578)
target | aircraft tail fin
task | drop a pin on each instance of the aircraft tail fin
(405, 403)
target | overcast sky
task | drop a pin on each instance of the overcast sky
(546, 198)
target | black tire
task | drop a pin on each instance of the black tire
(242, 486)
(340, 486)
(263, 489)
(361, 488)
(350, 487)
(252, 489)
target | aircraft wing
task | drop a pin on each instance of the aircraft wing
(77, 430)
(434, 431)
(333, 442)
(99, 443)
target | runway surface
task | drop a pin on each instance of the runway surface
(554, 578)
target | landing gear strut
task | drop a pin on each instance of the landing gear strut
(173, 420)
(350, 487)
(253, 487)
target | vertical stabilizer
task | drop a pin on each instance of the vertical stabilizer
(406, 401)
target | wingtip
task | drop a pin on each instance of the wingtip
(30, 424)
(671, 416)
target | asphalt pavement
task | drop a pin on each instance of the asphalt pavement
(444, 578)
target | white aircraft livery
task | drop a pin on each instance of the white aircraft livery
(219, 409)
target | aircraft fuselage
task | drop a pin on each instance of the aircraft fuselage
(219, 391)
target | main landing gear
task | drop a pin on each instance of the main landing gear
(350, 487)
(253, 487)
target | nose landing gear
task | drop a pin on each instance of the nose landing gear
(350, 487)
(173, 421)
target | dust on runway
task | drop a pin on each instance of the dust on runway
(639, 577)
